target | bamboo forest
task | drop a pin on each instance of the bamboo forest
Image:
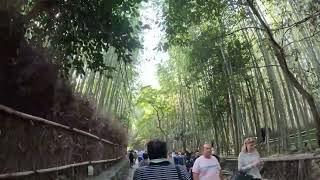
(88, 87)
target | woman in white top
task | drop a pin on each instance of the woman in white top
(249, 159)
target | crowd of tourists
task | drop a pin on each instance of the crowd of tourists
(140, 156)
(157, 164)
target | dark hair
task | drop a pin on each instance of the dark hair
(145, 156)
(188, 154)
(157, 149)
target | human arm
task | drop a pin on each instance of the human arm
(195, 176)
(261, 163)
(245, 166)
(220, 175)
(220, 170)
(196, 170)
(242, 165)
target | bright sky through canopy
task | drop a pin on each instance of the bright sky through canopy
(151, 16)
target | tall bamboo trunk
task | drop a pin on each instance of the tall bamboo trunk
(281, 57)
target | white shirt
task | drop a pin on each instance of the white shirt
(207, 168)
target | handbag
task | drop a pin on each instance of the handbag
(243, 176)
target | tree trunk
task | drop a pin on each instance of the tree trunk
(281, 57)
(233, 102)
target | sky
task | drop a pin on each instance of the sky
(149, 56)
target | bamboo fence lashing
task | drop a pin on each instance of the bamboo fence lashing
(51, 123)
(58, 168)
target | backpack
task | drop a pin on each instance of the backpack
(189, 163)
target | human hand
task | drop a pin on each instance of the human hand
(259, 164)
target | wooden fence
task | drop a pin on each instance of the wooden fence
(28, 117)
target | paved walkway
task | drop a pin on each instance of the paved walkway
(110, 172)
(131, 171)
(106, 174)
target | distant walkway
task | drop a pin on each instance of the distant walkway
(112, 170)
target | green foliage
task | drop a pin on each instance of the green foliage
(154, 100)
(81, 30)
(222, 81)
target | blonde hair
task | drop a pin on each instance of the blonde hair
(246, 141)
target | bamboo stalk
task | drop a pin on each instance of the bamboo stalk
(59, 168)
(51, 123)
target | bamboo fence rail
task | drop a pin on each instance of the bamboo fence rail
(51, 123)
(29, 117)
(58, 168)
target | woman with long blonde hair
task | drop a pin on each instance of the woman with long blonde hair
(249, 160)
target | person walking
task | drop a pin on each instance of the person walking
(140, 155)
(206, 167)
(190, 159)
(249, 162)
(159, 167)
(131, 158)
(189, 162)
(181, 159)
(135, 155)
(175, 158)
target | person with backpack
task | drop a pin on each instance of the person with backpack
(189, 162)
(159, 166)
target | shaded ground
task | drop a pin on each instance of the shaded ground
(110, 172)
(131, 171)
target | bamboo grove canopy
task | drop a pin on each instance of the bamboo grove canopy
(236, 69)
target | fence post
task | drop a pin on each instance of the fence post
(301, 169)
